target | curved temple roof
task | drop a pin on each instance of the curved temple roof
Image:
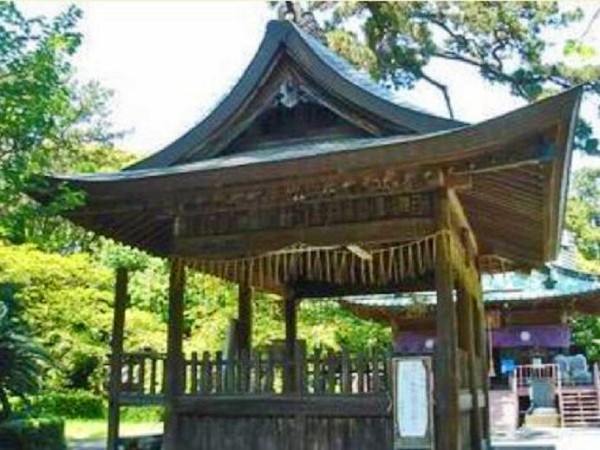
(516, 165)
(323, 66)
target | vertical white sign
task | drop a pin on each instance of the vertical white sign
(412, 399)
(413, 403)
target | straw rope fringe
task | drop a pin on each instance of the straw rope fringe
(337, 264)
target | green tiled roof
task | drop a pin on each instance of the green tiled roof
(556, 281)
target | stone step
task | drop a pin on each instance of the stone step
(579, 407)
(588, 414)
(582, 419)
(582, 424)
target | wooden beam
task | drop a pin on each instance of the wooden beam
(290, 304)
(375, 405)
(320, 289)
(116, 358)
(462, 221)
(175, 376)
(257, 242)
(446, 364)
(245, 317)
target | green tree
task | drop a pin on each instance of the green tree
(582, 211)
(508, 43)
(48, 122)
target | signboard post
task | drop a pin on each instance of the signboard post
(413, 402)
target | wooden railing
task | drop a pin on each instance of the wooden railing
(525, 373)
(260, 373)
(143, 373)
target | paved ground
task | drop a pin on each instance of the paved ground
(87, 445)
(551, 439)
(523, 439)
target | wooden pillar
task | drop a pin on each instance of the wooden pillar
(116, 359)
(245, 317)
(175, 369)
(466, 337)
(446, 368)
(290, 304)
(481, 348)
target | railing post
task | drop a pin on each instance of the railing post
(153, 374)
(194, 373)
(290, 303)
(244, 329)
(346, 372)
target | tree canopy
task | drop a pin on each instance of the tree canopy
(49, 121)
(583, 219)
(508, 43)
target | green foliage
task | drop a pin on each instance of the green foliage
(33, 434)
(582, 207)
(67, 405)
(326, 324)
(21, 358)
(586, 333)
(48, 122)
(508, 43)
(67, 300)
(142, 414)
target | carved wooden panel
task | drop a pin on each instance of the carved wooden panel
(306, 214)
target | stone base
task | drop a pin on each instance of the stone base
(543, 418)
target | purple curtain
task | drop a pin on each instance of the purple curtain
(409, 342)
(554, 336)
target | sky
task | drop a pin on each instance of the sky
(169, 62)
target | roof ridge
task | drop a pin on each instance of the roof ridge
(375, 87)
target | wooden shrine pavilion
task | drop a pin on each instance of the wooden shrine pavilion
(528, 316)
(529, 321)
(309, 180)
